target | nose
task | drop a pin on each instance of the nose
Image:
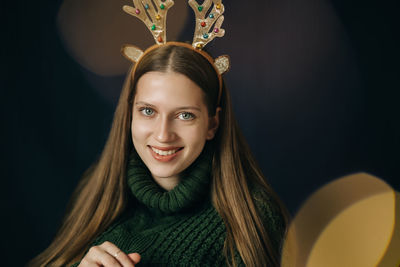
(165, 132)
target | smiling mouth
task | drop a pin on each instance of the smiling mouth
(165, 153)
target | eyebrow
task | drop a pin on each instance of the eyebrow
(179, 108)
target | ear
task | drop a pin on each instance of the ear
(222, 63)
(131, 52)
(213, 123)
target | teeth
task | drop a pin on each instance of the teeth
(162, 152)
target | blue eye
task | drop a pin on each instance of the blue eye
(147, 111)
(186, 116)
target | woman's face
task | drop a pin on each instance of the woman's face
(170, 124)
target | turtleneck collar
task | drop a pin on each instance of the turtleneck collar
(194, 185)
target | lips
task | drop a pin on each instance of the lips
(165, 154)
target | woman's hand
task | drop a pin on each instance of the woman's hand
(108, 255)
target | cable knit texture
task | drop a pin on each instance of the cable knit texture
(178, 227)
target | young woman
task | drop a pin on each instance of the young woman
(176, 184)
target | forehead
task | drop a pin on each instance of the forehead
(170, 88)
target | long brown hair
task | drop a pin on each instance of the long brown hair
(101, 195)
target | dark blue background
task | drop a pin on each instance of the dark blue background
(315, 85)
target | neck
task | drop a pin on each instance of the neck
(167, 183)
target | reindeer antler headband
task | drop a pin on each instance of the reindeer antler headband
(153, 13)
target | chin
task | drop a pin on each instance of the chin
(163, 172)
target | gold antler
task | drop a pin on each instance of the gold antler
(204, 22)
(153, 13)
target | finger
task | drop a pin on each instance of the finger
(97, 256)
(135, 257)
(124, 260)
(117, 254)
(108, 260)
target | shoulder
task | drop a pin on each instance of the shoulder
(270, 213)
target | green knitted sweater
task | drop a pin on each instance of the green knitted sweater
(178, 227)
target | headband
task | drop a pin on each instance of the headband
(209, 19)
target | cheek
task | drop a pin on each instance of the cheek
(140, 130)
(195, 135)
